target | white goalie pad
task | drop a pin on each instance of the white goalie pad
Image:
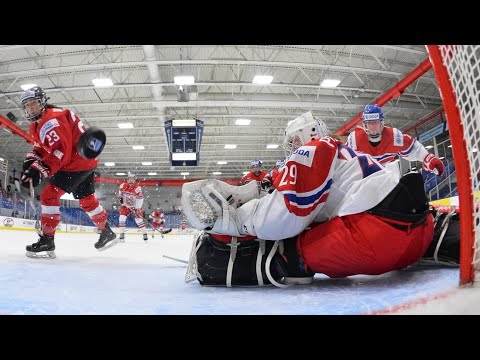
(206, 201)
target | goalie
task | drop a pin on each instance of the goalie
(341, 212)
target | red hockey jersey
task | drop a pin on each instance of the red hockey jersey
(56, 135)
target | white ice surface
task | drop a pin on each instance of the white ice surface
(135, 278)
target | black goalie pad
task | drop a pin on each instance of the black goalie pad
(213, 258)
(445, 246)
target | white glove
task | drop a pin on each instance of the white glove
(212, 204)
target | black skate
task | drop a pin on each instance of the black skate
(107, 239)
(145, 237)
(43, 248)
(121, 238)
(298, 272)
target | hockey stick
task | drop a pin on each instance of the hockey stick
(163, 231)
(175, 259)
(32, 204)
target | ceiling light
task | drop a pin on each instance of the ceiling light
(184, 123)
(102, 82)
(245, 172)
(272, 146)
(441, 158)
(243, 122)
(121, 174)
(262, 79)
(230, 146)
(147, 163)
(125, 125)
(217, 173)
(2, 159)
(27, 86)
(138, 147)
(109, 164)
(222, 162)
(185, 173)
(152, 173)
(184, 80)
(429, 147)
(330, 83)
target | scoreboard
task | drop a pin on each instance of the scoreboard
(184, 137)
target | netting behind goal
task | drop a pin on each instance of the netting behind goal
(457, 69)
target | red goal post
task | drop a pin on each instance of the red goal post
(457, 70)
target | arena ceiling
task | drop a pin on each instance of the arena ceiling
(145, 95)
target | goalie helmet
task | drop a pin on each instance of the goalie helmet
(36, 94)
(373, 124)
(302, 130)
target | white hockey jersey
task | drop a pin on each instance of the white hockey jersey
(393, 143)
(132, 195)
(319, 181)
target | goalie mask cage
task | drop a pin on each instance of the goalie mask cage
(457, 70)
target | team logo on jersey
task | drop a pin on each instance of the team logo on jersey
(49, 125)
(58, 154)
(397, 137)
(303, 155)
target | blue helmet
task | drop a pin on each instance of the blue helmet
(255, 163)
(373, 113)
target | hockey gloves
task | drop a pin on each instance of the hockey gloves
(30, 158)
(37, 172)
(433, 164)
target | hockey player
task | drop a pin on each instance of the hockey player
(55, 155)
(340, 211)
(263, 179)
(130, 196)
(158, 221)
(384, 143)
(275, 171)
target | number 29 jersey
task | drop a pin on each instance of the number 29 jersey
(320, 180)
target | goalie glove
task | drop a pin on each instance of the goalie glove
(433, 164)
(212, 204)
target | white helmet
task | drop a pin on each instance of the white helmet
(302, 130)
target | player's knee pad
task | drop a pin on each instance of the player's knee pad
(122, 218)
(236, 264)
(445, 246)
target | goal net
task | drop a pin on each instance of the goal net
(457, 70)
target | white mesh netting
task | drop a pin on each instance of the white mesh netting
(463, 66)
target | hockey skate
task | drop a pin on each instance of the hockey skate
(107, 239)
(298, 272)
(42, 249)
(145, 237)
(121, 238)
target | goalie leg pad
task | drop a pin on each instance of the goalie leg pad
(213, 259)
(445, 246)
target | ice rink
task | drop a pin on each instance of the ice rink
(134, 278)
